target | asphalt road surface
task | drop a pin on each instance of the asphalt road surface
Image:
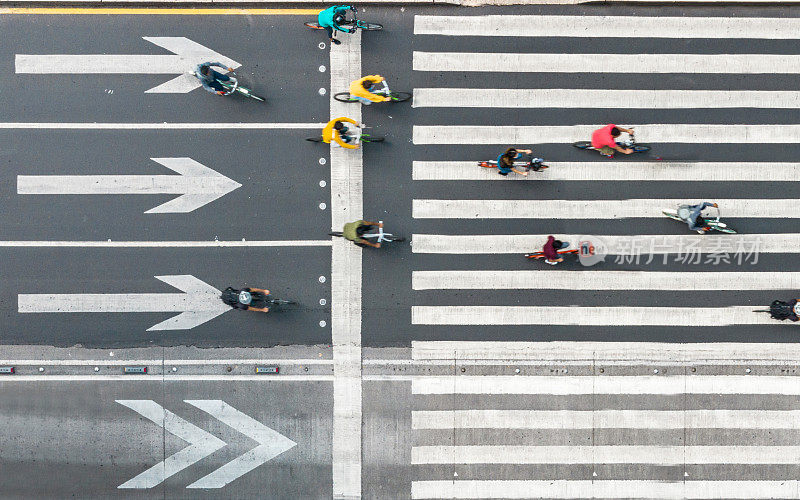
(132, 198)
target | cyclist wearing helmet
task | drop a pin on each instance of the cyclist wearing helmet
(210, 78)
(247, 299)
(363, 89)
(337, 130)
(332, 18)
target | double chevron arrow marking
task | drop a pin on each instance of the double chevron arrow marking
(202, 444)
(196, 184)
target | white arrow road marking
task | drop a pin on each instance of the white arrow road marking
(270, 443)
(202, 444)
(186, 55)
(197, 185)
(199, 302)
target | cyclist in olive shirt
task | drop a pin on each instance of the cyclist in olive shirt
(353, 231)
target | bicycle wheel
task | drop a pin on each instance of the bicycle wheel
(314, 139)
(535, 255)
(249, 93)
(486, 164)
(582, 144)
(393, 238)
(638, 148)
(336, 233)
(369, 26)
(281, 302)
(400, 96)
(371, 138)
(315, 26)
(344, 97)
(725, 230)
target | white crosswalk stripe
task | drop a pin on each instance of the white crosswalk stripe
(605, 428)
(681, 96)
(628, 171)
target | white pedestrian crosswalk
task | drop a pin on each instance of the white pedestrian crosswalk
(683, 422)
(682, 96)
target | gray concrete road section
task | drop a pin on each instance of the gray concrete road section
(73, 439)
(291, 273)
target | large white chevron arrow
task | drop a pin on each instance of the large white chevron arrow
(197, 185)
(186, 55)
(202, 444)
(270, 443)
(199, 302)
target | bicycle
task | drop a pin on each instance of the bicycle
(353, 23)
(232, 86)
(682, 213)
(540, 254)
(280, 302)
(395, 96)
(380, 236)
(535, 164)
(365, 138)
(630, 143)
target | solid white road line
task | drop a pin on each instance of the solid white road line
(663, 490)
(560, 134)
(642, 245)
(609, 26)
(595, 209)
(606, 63)
(658, 455)
(601, 98)
(217, 127)
(168, 244)
(166, 378)
(614, 171)
(591, 316)
(603, 280)
(788, 385)
(346, 206)
(606, 419)
(607, 352)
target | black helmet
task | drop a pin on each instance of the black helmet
(339, 19)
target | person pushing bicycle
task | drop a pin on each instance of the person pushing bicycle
(604, 140)
(354, 230)
(551, 248)
(366, 89)
(343, 131)
(211, 78)
(332, 18)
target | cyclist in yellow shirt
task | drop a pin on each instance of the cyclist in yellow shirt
(336, 130)
(365, 88)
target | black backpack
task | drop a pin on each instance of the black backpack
(781, 310)
(230, 296)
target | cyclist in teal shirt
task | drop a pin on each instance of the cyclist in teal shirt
(332, 17)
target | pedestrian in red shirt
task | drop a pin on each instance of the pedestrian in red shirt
(604, 140)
